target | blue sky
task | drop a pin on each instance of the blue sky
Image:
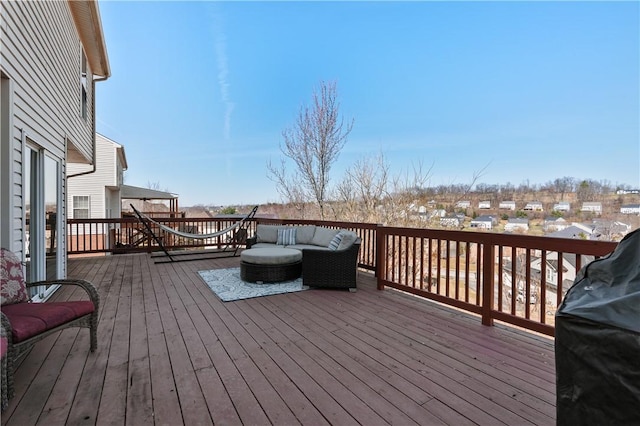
(201, 91)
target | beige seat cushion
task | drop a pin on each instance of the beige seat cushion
(323, 236)
(304, 234)
(267, 233)
(271, 256)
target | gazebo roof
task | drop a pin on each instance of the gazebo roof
(137, 193)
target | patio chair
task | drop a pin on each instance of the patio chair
(25, 323)
(332, 268)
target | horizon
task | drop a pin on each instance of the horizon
(200, 92)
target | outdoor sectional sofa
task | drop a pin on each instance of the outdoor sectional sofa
(329, 256)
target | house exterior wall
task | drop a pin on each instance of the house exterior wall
(630, 209)
(594, 207)
(41, 68)
(103, 185)
(512, 226)
(555, 224)
(482, 224)
(507, 205)
(533, 206)
(562, 207)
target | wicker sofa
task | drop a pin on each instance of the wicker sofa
(329, 256)
(25, 323)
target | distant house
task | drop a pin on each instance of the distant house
(452, 221)
(516, 224)
(630, 209)
(609, 230)
(463, 204)
(507, 205)
(484, 222)
(592, 206)
(567, 265)
(627, 191)
(437, 214)
(562, 206)
(552, 224)
(535, 206)
(575, 231)
(484, 205)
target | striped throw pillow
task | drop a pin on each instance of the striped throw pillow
(335, 242)
(286, 236)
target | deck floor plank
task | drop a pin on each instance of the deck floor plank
(113, 401)
(486, 379)
(165, 401)
(139, 408)
(170, 352)
(86, 403)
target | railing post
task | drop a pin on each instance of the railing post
(381, 249)
(488, 281)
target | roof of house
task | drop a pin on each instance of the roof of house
(554, 219)
(570, 232)
(483, 218)
(518, 220)
(87, 19)
(137, 193)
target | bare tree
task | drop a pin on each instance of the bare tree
(313, 144)
(368, 192)
(289, 187)
(363, 189)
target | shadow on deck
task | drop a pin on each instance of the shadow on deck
(170, 352)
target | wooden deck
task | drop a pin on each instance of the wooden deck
(170, 353)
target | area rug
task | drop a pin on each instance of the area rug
(228, 286)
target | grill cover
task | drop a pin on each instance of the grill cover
(597, 342)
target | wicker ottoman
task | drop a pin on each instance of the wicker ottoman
(270, 265)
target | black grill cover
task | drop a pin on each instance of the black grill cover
(597, 342)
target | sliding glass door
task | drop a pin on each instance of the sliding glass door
(43, 229)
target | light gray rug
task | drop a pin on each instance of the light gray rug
(228, 286)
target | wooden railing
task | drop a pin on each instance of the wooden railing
(128, 235)
(511, 278)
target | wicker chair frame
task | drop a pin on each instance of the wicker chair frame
(270, 273)
(331, 269)
(4, 398)
(16, 350)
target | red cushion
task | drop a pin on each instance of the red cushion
(4, 344)
(30, 319)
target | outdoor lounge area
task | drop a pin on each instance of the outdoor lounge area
(170, 352)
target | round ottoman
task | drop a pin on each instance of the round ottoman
(270, 264)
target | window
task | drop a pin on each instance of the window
(83, 84)
(81, 207)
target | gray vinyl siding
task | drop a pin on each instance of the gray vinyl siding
(96, 183)
(41, 56)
